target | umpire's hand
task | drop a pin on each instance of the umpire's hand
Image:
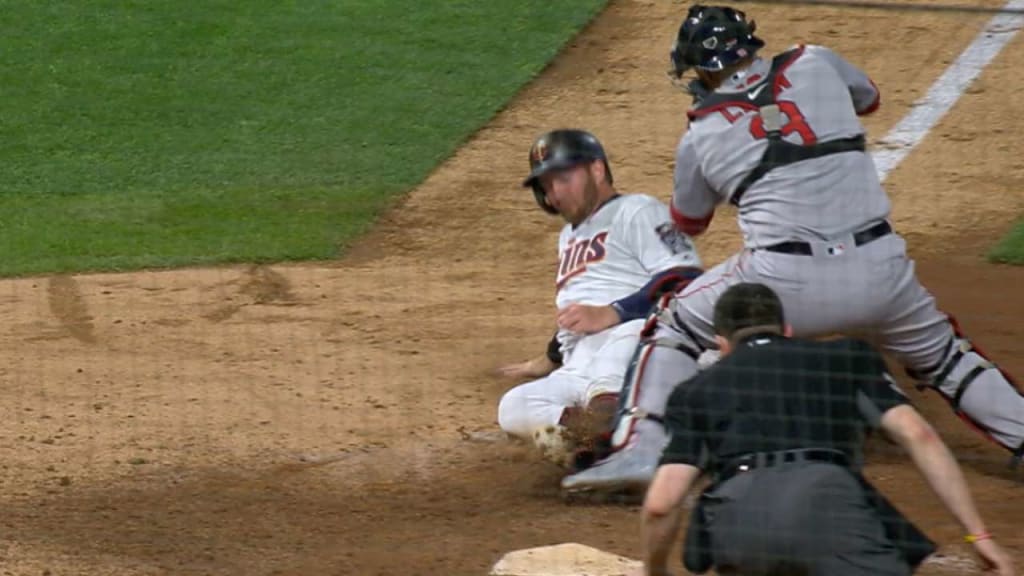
(994, 558)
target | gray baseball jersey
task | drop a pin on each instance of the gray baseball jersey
(801, 201)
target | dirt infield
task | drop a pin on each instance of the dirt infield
(339, 419)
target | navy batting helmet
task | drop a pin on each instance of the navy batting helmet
(558, 150)
(713, 38)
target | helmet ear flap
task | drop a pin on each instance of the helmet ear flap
(542, 198)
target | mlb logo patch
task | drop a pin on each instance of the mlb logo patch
(836, 249)
(675, 240)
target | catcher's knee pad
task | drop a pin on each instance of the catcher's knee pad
(660, 363)
(980, 393)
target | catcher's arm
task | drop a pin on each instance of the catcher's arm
(865, 94)
(693, 200)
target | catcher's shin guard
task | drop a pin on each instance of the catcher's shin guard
(638, 435)
(980, 393)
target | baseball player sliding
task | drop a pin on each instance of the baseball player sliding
(617, 255)
(780, 139)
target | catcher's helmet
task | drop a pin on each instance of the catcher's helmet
(557, 150)
(713, 38)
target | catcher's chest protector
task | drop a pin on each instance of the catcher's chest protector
(762, 97)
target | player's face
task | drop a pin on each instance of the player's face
(573, 192)
(708, 79)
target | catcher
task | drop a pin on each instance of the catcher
(779, 138)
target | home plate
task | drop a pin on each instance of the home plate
(568, 559)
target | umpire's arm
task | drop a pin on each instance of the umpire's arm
(678, 470)
(929, 453)
(662, 514)
(883, 405)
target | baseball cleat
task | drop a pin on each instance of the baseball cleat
(630, 470)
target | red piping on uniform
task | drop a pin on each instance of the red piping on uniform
(695, 114)
(959, 334)
(977, 426)
(720, 279)
(780, 79)
(690, 226)
(676, 281)
(652, 321)
(634, 393)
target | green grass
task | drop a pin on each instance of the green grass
(166, 133)
(1010, 249)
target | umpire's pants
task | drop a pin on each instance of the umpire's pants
(803, 518)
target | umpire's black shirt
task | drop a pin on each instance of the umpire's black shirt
(775, 393)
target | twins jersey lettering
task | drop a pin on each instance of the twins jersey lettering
(578, 254)
(820, 96)
(617, 250)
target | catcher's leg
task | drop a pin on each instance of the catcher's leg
(672, 341)
(940, 357)
(662, 360)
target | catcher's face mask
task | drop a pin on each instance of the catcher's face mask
(712, 38)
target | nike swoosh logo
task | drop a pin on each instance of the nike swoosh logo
(753, 93)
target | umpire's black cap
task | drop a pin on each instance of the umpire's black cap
(747, 305)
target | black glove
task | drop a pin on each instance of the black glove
(554, 352)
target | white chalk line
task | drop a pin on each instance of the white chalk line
(926, 112)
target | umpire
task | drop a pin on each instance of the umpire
(779, 423)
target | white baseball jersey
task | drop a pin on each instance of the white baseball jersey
(616, 251)
(820, 96)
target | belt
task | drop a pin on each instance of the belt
(859, 239)
(756, 460)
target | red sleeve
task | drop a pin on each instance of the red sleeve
(691, 226)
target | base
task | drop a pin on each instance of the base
(570, 559)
